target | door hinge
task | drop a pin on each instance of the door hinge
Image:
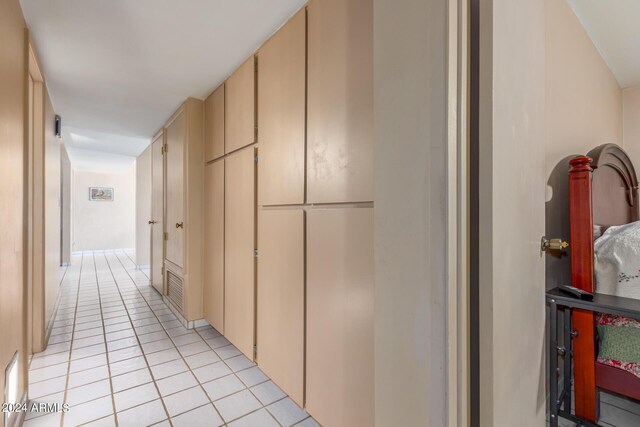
(165, 148)
(255, 253)
(255, 351)
(255, 128)
(166, 236)
(255, 158)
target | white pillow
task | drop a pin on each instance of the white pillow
(617, 261)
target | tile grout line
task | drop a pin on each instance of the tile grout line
(73, 331)
(248, 388)
(138, 339)
(104, 337)
(179, 352)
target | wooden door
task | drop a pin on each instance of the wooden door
(213, 289)
(340, 101)
(339, 389)
(239, 246)
(175, 139)
(214, 125)
(280, 288)
(157, 213)
(281, 114)
(239, 109)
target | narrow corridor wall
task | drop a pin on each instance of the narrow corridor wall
(103, 225)
(13, 73)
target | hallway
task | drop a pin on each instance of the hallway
(118, 356)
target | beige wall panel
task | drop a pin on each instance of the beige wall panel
(281, 114)
(52, 211)
(13, 87)
(175, 134)
(214, 125)
(280, 324)
(239, 108)
(157, 213)
(213, 291)
(239, 250)
(340, 101)
(339, 390)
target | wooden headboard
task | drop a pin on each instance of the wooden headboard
(615, 186)
(603, 190)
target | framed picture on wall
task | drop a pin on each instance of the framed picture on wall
(101, 194)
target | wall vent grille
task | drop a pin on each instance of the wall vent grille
(175, 290)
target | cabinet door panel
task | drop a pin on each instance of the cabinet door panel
(175, 133)
(214, 125)
(339, 389)
(239, 246)
(281, 299)
(281, 114)
(214, 245)
(240, 107)
(157, 213)
(340, 101)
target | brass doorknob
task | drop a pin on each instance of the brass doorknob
(179, 224)
(152, 222)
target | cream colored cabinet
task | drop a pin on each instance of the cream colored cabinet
(175, 146)
(340, 101)
(281, 299)
(339, 389)
(214, 245)
(184, 208)
(240, 107)
(239, 247)
(281, 118)
(157, 212)
(214, 125)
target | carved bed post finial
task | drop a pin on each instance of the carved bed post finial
(581, 164)
(582, 277)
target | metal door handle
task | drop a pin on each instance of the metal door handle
(152, 222)
(179, 224)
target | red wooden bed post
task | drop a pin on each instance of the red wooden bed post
(582, 276)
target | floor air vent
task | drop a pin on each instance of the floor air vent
(174, 290)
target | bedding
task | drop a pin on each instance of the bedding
(619, 342)
(617, 272)
(617, 261)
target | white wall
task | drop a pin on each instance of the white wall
(104, 225)
(143, 208)
(583, 110)
(410, 84)
(631, 125)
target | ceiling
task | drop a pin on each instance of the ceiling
(117, 69)
(614, 30)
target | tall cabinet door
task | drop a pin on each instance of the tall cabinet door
(157, 213)
(340, 316)
(239, 244)
(240, 107)
(175, 134)
(281, 299)
(213, 289)
(340, 101)
(281, 114)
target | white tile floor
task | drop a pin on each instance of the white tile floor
(118, 356)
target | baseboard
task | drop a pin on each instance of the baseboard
(143, 267)
(189, 324)
(19, 418)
